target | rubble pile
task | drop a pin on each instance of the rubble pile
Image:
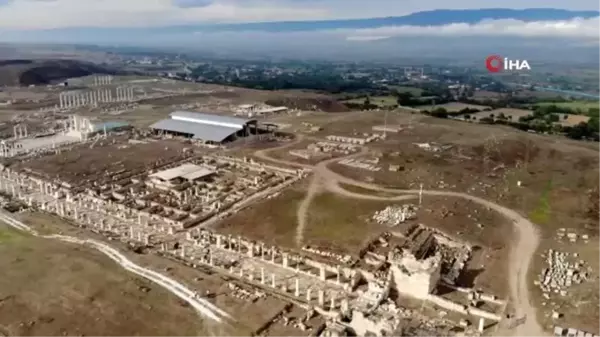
(561, 273)
(362, 164)
(342, 258)
(244, 294)
(571, 236)
(395, 215)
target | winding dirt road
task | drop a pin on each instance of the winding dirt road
(522, 249)
(202, 306)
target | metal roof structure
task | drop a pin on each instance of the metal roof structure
(210, 119)
(185, 171)
(204, 126)
(206, 132)
(198, 174)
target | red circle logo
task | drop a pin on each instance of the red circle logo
(494, 63)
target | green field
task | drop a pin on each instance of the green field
(541, 214)
(381, 101)
(582, 106)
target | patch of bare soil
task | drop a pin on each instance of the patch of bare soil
(52, 288)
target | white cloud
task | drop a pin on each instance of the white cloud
(38, 14)
(577, 28)
(35, 14)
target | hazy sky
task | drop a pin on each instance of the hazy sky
(43, 14)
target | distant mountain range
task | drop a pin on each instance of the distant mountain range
(427, 18)
(331, 38)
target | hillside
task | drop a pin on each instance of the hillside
(38, 72)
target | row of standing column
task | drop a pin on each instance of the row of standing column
(73, 100)
(102, 80)
(308, 295)
(65, 209)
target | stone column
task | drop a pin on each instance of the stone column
(250, 250)
(297, 290)
(273, 281)
(321, 298)
(262, 275)
(345, 306)
(322, 274)
(308, 295)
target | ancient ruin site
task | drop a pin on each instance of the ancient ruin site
(210, 212)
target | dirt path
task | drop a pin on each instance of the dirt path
(521, 254)
(301, 214)
(202, 306)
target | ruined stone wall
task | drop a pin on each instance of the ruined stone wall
(418, 284)
(464, 309)
(361, 324)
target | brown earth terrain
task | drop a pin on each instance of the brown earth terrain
(84, 293)
(552, 182)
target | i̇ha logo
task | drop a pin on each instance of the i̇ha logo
(497, 63)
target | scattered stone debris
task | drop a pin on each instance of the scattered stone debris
(395, 215)
(321, 149)
(561, 273)
(433, 147)
(571, 332)
(365, 164)
(342, 258)
(571, 236)
(244, 294)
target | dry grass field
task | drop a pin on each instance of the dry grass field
(559, 185)
(248, 316)
(53, 288)
(572, 120)
(62, 289)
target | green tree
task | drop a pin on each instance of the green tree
(593, 124)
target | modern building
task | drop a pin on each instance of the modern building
(167, 179)
(209, 128)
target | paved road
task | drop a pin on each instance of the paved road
(522, 250)
(204, 307)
